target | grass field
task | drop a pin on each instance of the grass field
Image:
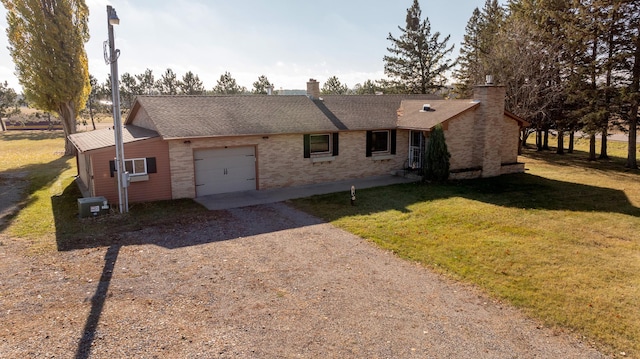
(561, 242)
(48, 218)
(38, 154)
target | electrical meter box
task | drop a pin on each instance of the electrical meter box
(92, 206)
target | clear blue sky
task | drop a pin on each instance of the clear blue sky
(289, 41)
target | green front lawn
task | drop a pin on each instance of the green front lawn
(561, 241)
(48, 216)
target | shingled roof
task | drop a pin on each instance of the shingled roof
(216, 116)
(413, 117)
(92, 140)
(369, 112)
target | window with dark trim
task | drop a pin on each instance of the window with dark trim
(380, 142)
(136, 166)
(321, 144)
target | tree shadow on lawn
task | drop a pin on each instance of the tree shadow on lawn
(534, 192)
(523, 191)
(33, 178)
(580, 159)
(34, 135)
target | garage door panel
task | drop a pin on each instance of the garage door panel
(239, 173)
(225, 170)
(233, 185)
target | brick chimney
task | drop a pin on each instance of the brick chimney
(313, 89)
(489, 126)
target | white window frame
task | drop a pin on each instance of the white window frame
(133, 167)
(329, 145)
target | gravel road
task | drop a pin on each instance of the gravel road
(258, 282)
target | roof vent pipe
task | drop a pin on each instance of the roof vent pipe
(488, 80)
(426, 107)
(269, 90)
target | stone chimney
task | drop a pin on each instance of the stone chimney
(313, 89)
(489, 127)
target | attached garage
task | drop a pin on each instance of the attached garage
(222, 170)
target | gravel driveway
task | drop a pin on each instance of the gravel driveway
(258, 282)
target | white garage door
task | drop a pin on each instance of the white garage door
(225, 170)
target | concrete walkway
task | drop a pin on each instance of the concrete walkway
(252, 198)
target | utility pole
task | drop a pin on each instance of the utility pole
(112, 59)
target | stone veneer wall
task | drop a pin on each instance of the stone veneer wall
(510, 140)
(484, 142)
(281, 162)
(491, 117)
(461, 135)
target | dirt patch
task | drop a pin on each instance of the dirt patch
(12, 186)
(257, 282)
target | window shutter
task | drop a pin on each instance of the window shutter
(393, 142)
(112, 167)
(368, 144)
(307, 146)
(151, 165)
(335, 144)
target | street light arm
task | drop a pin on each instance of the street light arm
(112, 16)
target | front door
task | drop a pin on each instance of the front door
(416, 149)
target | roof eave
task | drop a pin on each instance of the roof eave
(518, 119)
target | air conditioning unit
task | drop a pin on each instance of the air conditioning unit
(92, 206)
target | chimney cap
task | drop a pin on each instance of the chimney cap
(488, 80)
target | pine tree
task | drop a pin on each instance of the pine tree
(261, 86)
(129, 89)
(227, 85)
(333, 86)
(146, 83)
(586, 35)
(436, 159)
(632, 92)
(613, 65)
(469, 66)
(490, 26)
(168, 84)
(478, 53)
(46, 41)
(368, 87)
(418, 59)
(191, 84)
